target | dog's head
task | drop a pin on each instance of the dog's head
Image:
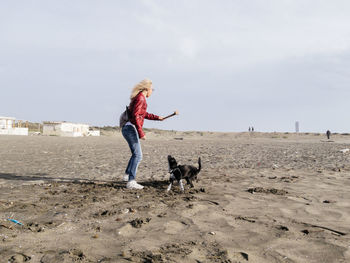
(172, 162)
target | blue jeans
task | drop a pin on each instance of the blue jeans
(132, 137)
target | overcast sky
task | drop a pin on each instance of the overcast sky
(225, 65)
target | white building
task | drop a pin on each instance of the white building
(67, 129)
(7, 127)
(94, 133)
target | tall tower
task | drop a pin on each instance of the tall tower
(296, 126)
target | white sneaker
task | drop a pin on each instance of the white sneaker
(133, 185)
(126, 177)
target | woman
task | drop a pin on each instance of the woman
(132, 130)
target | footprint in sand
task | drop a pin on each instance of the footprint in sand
(194, 210)
(174, 227)
(126, 230)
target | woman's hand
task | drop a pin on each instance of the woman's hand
(143, 138)
(171, 115)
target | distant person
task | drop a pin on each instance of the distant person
(249, 129)
(328, 133)
(132, 130)
(252, 129)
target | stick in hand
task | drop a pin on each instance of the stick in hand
(171, 115)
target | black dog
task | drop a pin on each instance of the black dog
(179, 172)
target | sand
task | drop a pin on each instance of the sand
(261, 197)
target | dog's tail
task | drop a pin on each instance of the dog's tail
(199, 164)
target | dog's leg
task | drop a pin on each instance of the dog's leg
(181, 186)
(189, 181)
(171, 182)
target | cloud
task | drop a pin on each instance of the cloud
(188, 47)
(223, 55)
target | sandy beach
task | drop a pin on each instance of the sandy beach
(261, 197)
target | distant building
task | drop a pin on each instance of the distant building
(67, 129)
(296, 126)
(8, 127)
(94, 133)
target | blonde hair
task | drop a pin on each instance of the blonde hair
(143, 85)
